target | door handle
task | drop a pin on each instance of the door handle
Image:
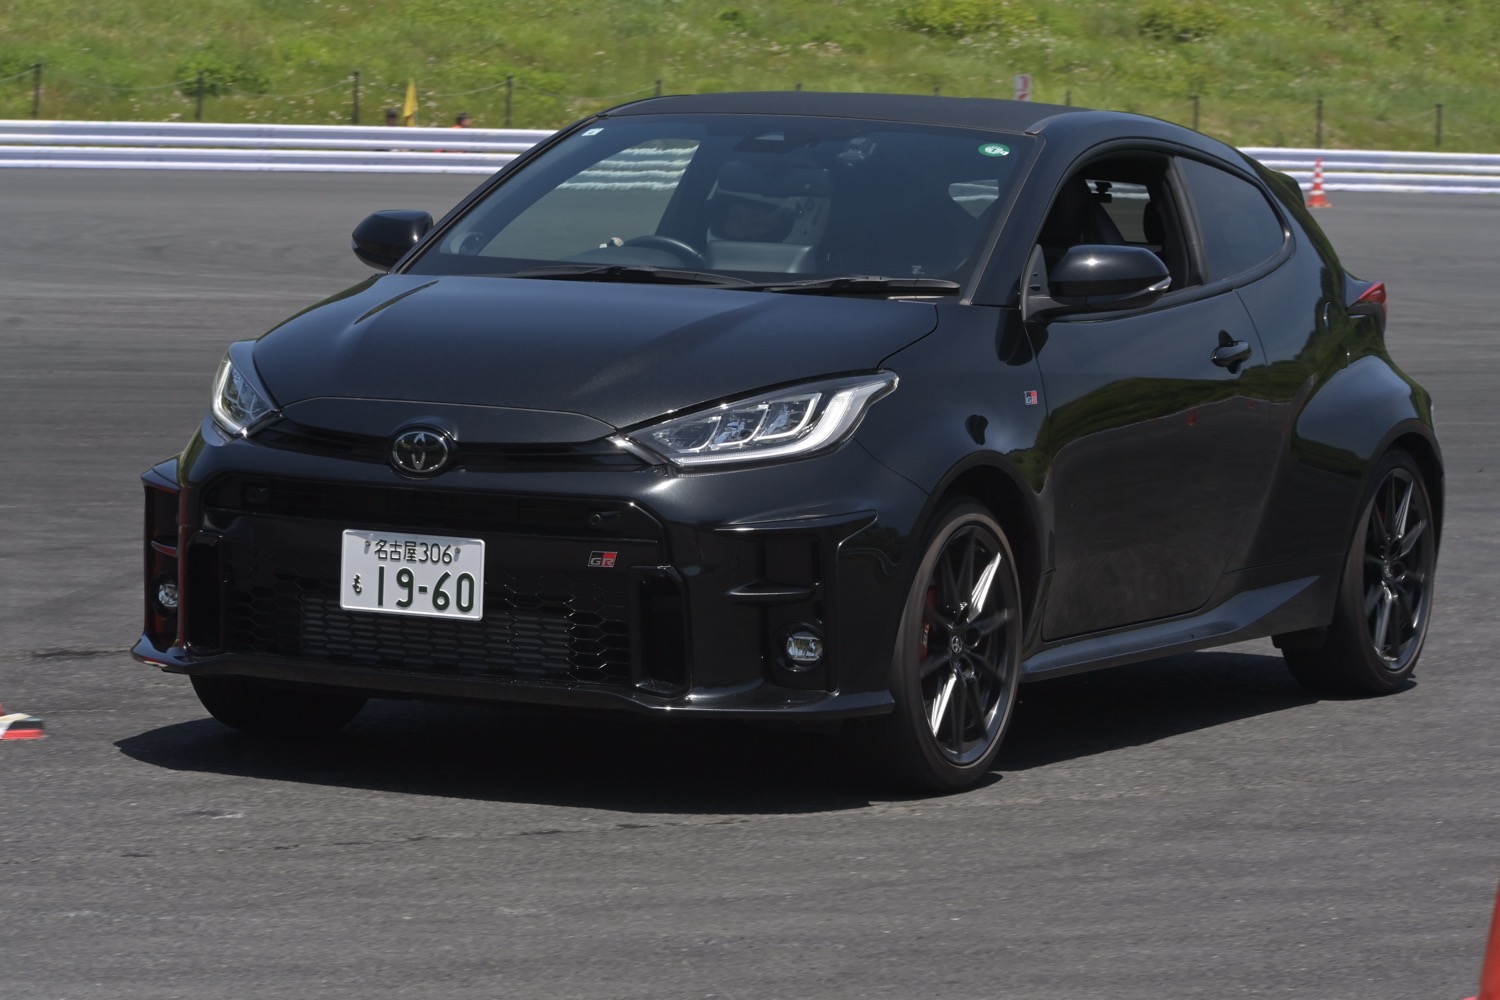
(1230, 353)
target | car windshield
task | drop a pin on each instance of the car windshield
(722, 199)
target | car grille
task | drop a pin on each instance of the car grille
(541, 627)
(547, 615)
(423, 508)
(480, 457)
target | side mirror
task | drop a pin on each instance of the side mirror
(1093, 278)
(383, 238)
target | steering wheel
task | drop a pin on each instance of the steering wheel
(682, 250)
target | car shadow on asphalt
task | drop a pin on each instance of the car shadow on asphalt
(619, 762)
(1086, 714)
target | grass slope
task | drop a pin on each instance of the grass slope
(1257, 69)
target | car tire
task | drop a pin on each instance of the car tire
(260, 709)
(1385, 599)
(955, 668)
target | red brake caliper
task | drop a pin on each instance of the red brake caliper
(927, 624)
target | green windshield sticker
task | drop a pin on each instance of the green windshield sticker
(994, 149)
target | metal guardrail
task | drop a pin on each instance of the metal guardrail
(192, 146)
(1386, 171)
(379, 149)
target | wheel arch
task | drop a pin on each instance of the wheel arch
(1002, 492)
(1416, 440)
(1424, 452)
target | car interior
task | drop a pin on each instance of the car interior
(1120, 201)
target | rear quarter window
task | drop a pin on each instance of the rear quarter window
(1239, 228)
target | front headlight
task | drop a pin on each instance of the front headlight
(786, 423)
(240, 402)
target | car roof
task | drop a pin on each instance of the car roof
(1072, 129)
(962, 112)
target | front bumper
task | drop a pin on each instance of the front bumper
(754, 700)
(710, 574)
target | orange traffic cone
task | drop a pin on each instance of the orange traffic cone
(1489, 976)
(1318, 199)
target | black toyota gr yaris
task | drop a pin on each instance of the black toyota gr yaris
(808, 407)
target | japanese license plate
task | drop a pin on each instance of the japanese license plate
(402, 574)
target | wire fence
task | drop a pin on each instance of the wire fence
(1320, 126)
(510, 101)
(526, 100)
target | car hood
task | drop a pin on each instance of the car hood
(620, 354)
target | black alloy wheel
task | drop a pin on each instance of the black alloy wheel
(957, 662)
(1385, 601)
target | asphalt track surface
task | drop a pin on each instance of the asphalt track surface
(1193, 827)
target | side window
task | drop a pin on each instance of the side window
(1077, 216)
(1239, 227)
(1122, 199)
(1125, 204)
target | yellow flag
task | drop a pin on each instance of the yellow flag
(409, 109)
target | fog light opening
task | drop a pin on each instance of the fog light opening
(166, 596)
(804, 649)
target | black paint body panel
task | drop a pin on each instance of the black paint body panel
(1156, 500)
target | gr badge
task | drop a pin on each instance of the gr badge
(603, 560)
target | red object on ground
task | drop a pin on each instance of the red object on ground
(1318, 199)
(1489, 976)
(20, 726)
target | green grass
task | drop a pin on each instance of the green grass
(1257, 69)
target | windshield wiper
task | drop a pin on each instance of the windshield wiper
(863, 284)
(642, 273)
(849, 284)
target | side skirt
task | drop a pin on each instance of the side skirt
(1246, 615)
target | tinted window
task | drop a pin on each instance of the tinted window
(1122, 199)
(588, 208)
(1125, 204)
(976, 196)
(1240, 229)
(743, 193)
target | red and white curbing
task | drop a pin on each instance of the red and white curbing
(20, 726)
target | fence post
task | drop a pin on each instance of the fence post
(1068, 97)
(354, 118)
(1439, 137)
(1195, 112)
(199, 114)
(658, 88)
(510, 86)
(1318, 141)
(36, 90)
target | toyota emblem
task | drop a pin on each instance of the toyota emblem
(420, 452)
